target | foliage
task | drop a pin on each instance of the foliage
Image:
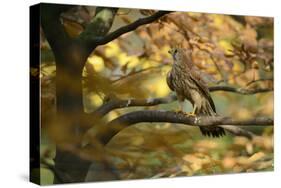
(227, 50)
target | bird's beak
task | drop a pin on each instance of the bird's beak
(170, 51)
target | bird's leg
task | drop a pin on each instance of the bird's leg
(193, 111)
(181, 105)
(186, 113)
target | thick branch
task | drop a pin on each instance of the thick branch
(174, 117)
(128, 28)
(150, 116)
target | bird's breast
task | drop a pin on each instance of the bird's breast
(181, 82)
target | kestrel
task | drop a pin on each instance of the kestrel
(187, 82)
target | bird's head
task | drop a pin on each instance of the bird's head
(179, 54)
(175, 53)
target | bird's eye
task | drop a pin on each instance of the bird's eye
(176, 50)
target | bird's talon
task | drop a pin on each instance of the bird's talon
(180, 112)
(186, 113)
(191, 114)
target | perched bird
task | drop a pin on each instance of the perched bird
(187, 82)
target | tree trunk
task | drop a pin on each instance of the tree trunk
(70, 56)
(70, 105)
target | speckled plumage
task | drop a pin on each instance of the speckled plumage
(185, 80)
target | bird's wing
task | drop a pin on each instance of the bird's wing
(203, 87)
(169, 80)
(205, 77)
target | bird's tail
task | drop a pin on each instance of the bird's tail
(212, 131)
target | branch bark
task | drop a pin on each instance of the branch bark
(150, 116)
(174, 117)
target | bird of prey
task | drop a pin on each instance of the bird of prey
(187, 82)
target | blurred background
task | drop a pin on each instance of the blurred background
(236, 51)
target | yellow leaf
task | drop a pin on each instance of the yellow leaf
(97, 62)
(256, 157)
(226, 46)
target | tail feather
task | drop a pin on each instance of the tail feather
(212, 131)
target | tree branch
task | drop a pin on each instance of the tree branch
(158, 116)
(119, 103)
(259, 80)
(128, 28)
(241, 91)
(174, 117)
(116, 103)
(237, 131)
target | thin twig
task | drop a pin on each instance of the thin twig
(241, 91)
(136, 72)
(259, 80)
